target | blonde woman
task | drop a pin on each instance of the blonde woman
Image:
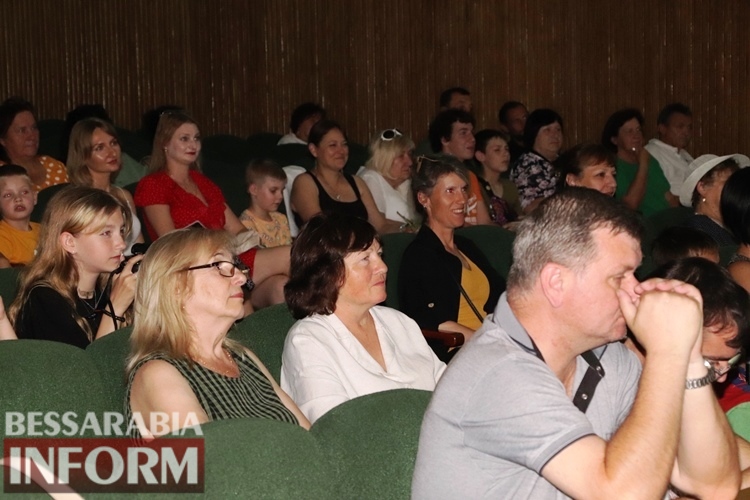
(182, 363)
(67, 293)
(388, 175)
(94, 160)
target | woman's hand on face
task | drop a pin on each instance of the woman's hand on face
(123, 286)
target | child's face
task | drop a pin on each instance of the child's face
(17, 198)
(496, 155)
(268, 194)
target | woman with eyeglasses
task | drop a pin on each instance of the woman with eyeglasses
(175, 195)
(68, 292)
(345, 345)
(182, 364)
(445, 282)
(388, 175)
(328, 189)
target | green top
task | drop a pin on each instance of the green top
(656, 185)
(222, 397)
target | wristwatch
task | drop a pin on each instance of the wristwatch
(697, 383)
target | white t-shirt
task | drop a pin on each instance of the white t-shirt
(674, 163)
(290, 138)
(324, 365)
(390, 201)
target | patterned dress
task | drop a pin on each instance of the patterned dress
(534, 176)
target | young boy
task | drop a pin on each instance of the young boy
(265, 184)
(18, 235)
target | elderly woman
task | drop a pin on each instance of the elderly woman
(735, 212)
(175, 195)
(702, 190)
(588, 165)
(19, 138)
(641, 183)
(445, 282)
(188, 297)
(345, 345)
(95, 159)
(327, 188)
(388, 176)
(534, 173)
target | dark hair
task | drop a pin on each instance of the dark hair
(576, 159)
(9, 109)
(735, 205)
(317, 261)
(675, 243)
(447, 95)
(429, 170)
(724, 301)
(76, 115)
(442, 126)
(537, 119)
(502, 115)
(320, 129)
(670, 109)
(483, 137)
(303, 112)
(258, 170)
(9, 169)
(615, 121)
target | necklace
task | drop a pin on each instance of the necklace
(332, 191)
(225, 371)
(94, 310)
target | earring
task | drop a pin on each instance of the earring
(703, 200)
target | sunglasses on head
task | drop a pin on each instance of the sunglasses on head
(390, 134)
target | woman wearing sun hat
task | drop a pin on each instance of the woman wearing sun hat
(702, 190)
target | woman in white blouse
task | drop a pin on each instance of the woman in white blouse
(388, 175)
(345, 345)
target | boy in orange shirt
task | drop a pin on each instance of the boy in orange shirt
(18, 235)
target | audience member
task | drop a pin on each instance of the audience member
(150, 120)
(640, 181)
(345, 345)
(512, 117)
(131, 171)
(6, 329)
(266, 182)
(455, 98)
(182, 364)
(69, 292)
(534, 173)
(675, 243)
(674, 126)
(388, 176)
(702, 190)
(445, 282)
(304, 117)
(500, 194)
(735, 212)
(95, 160)
(328, 189)
(176, 195)
(451, 133)
(18, 235)
(588, 165)
(19, 138)
(515, 416)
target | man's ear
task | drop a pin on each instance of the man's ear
(68, 242)
(552, 282)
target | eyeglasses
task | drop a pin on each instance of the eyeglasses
(422, 159)
(224, 267)
(719, 370)
(390, 134)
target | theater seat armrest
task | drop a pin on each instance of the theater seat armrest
(447, 339)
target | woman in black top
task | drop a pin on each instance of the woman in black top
(327, 188)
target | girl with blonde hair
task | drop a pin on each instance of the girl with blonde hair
(68, 292)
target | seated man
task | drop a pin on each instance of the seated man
(452, 98)
(675, 130)
(512, 117)
(452, 133)
(544, 403)
(304, 117)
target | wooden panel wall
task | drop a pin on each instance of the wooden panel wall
(240, 66)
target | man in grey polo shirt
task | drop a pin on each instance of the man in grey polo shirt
(544, 403)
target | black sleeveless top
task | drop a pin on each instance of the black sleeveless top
(329, 205)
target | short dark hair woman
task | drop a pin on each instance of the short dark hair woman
(345, 345)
